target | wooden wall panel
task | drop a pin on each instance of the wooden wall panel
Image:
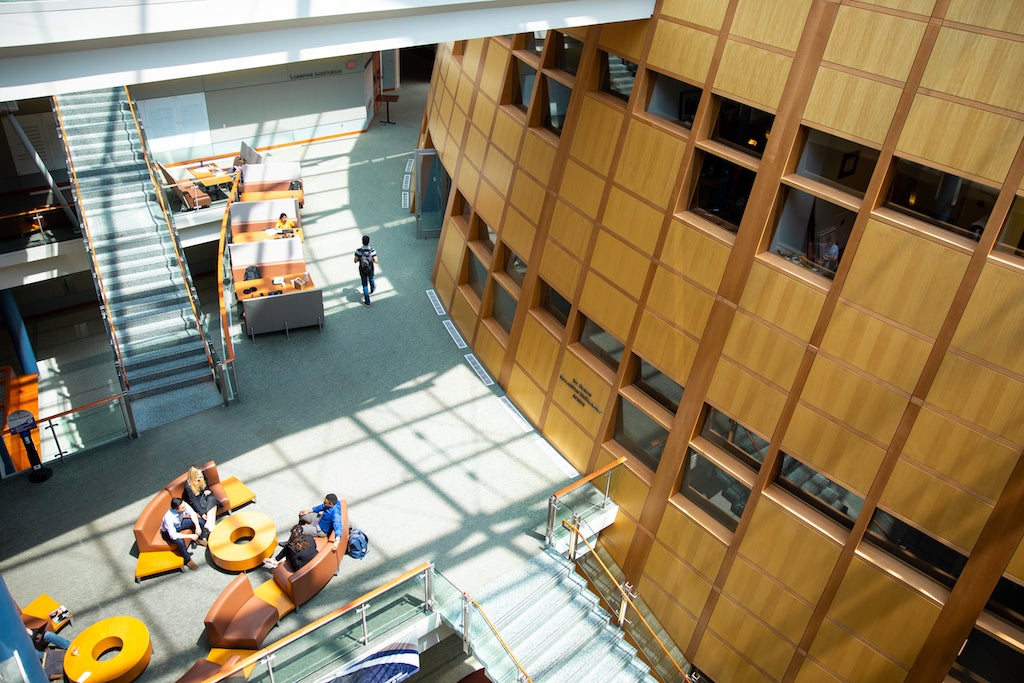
(877, 43)
(833, 450)
(981, 395)
(853, 659)
(677, 578)
(498, 170)
(977, 67)
(507, 133)
(582, 188)
(574, 444)
(495, 66)
(475, 146)
(471, 56)
(483, 115)
(607, 306)
(751, 637)
(464, 313)
(722, 663)
(526, 395)
(782, 300)
(887, 352)
(745, 398)
(665, 346)
(649, 163)
(635, 221)
(560, 270)
(518, 233)
(619, 262)
(631, 493)
(904, 277)
(710, 13)
(680, 301)
(1001, 16)
(884, 621)
(444, 285)
(625, 39)
(770, 602)
(772, 22)
(537, 351)
(488, 348)
(572, 229)
(597, 129)
(573, 369)
(753, 74)
(464, 98)
(682, 535)
(763, 350)
(677, 622)
(992, 326)
(854, 399)
(682, 51)
(537, 156)
(452, 248)
(940, 443)
(617, 537)
(489, 204)
(852, 105)
(527, 196)
(695, 254)
(1016, 566)
(935, 505)
(813, 672)
(977, 142)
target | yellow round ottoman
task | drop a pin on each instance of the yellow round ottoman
(126, 634)
(226, 550)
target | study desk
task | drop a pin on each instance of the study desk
(242, 540)
(265, 234)
(264, 286)
(211, 175)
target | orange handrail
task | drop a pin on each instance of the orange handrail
(501, 640)
(32, 212)
(590, 477)
(93, 404)
(229, 348)
(92, 250)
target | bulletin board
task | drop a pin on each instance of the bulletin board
(176, 122)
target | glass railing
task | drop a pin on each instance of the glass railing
(583, 500)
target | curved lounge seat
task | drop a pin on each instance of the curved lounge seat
(239, 618)
(205, 669)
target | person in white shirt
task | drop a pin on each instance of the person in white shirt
(180, 526)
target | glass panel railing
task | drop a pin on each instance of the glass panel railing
(585, 500)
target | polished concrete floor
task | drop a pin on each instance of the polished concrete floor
(380, 407)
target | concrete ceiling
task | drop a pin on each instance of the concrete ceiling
(57, 46)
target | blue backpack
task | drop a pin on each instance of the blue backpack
(358, 544)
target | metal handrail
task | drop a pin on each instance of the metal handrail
(626, 600)
(494, 630)
(590, 477)
(121, 375)
(229, 349)
(564, 491)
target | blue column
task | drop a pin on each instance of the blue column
(14, 640)
(19, 335)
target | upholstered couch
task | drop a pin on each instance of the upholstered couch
(302, 585)
(239, 618)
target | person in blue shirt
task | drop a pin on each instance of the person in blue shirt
(321, 520)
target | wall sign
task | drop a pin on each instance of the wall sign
(580, 393)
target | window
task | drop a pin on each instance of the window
(812, 232)
(535, 42)
(658, 386)
(722, 191)
(521, 84)
(743, 127)
(716, 492)
(617, 75)
(734, 438)
(673, 100)
(984, 658)
(915, 547)
(557, 96)
(567, 53)
(483, 233)
(1007, 601)
(462, 206)
(554, 303)
(601, 344)
(503, 308)
(1011, 239)
(639, 434)
(836, 162)
(820, 491)
(515, 267)
(950, 202)
(477, 276)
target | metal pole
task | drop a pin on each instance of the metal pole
(11, 119)
(428, 588)
(362, 615)
(549, 536)
(53, 432)
(607, 487)
(268, 660)
(574, 536)
(624, 589)
(465, 624)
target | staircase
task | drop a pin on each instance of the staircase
(147, 305)
(556, 627)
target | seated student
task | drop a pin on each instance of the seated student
(199, 497)
(300, 549)
(180, 526)
(285, 224)
(43, 639)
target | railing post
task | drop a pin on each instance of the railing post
(268, 660)
(129, 417)
(607, 488)
(624, 590)
(362, 616)
(549, 536)
(428, 588)
(466, 646)
(53, 432)
(574, 536)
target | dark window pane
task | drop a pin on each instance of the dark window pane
(465, 209)
(942, 199)
(477, 274)
(618, 75)
(743, 127)
(567, 53)
(1007, 601)
(837, 162)
(734, 438)
(515, 267)
(558, 105)
(820, 491)
(639, 434)
(554, 303)
(484, 234)
(601, 344)
(915, 547)
(1011, 238)
(503, 308)
(673, 100)
(535, 42)
(719, 494)
(812, 232)
(983, 658)
(722, 191)
(523, 84)
(658, 386)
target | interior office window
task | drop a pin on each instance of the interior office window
(915, 547)
(820, 491)
(477, 274)
(554, 303)
(503, 308)
(515, 267)
(722, 191)
(734, 438)
(945, 200)
(521, 84)
(812, 232)
(718, 493)
(557, 95)
(568, 51)
(639, 434)
(1011, 237)
(483, 233)
(743, 127)
(1007, 600)
(535, 42)
(658, 385)
(984, 658)
(462, 207)
(672, 100)
(601, 344)
(617, 75)
(839, 163)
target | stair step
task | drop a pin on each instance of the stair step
(563, 634)
(180, 349)
(156, 343)
(140, 330)
(125, 288)
(154, 372)
(144, 388)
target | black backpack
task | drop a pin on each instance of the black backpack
(365, 262)
(251, 273)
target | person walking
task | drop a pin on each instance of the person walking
(366, 257)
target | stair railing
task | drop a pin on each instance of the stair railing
(522, 676)
(193, 297)
(625, 605)
(229, 379)
(557, 496)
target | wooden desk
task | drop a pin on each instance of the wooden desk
(264, 286)
(127, 635)
(262, 234)
(228, 553)
(210, 175)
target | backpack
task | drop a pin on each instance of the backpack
(365, 262)
(251, 273)
(358, 544)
